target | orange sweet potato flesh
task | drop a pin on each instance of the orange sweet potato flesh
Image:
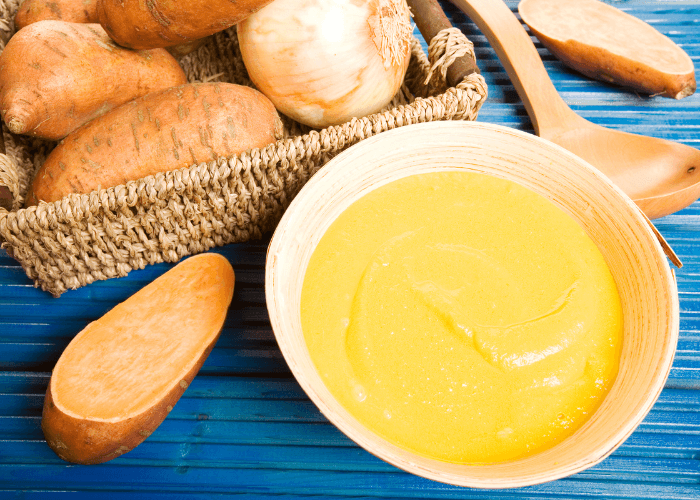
(120, 377)
(72, 11)
(56, 76)
(161, 23)
(163, 131)
(604, 43)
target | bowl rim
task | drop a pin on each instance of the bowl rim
(334, 168)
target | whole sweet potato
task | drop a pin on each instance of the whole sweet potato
(162, 131)
(161, 23)
(56, 76)
(81, 11)
(120, 377)
(72, 11)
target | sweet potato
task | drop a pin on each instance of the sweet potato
(163, 131)
(161, 23)
(120, 377)
(81, 11)
(56, 76)
(605, 43)
(72, 11)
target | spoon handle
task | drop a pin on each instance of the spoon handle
(517, 53)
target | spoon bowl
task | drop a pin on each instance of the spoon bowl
(661, 176)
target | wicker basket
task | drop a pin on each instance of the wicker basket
(107, 233)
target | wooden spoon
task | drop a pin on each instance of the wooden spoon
(661, 176)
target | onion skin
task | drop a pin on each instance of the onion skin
(319, 61)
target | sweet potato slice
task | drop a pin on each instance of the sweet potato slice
(121, 376)
(604, 43)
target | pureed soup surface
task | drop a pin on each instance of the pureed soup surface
(462, 317)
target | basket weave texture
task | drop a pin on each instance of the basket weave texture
(107, 233)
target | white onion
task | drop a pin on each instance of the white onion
(322, 62)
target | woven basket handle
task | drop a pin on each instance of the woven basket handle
(431, 20)
(5, 193)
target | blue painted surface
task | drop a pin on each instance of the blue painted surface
(245, 427)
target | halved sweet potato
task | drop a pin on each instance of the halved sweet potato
(120, 377)
(605, 43)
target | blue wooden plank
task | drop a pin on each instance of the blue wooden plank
(214, 387)
(27, 494)
(273, 481)
(206, 416)
(61, 333)
(33, 494)
(42, 357)
(685, 372)
(27, 439)
(194, 495)
(345, 459)
(201, 387)
(203, 430)
(194, 408)
(23, 439)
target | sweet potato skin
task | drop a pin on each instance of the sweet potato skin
(162, 23)
(597, 63)
(92, 441)
(163, 131)
(72, 11)
(56, 76)
(586, 56)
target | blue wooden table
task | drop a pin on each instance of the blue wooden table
(245, 428)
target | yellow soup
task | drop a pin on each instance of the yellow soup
(462, 317)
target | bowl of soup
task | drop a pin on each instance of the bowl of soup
(473, 304)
